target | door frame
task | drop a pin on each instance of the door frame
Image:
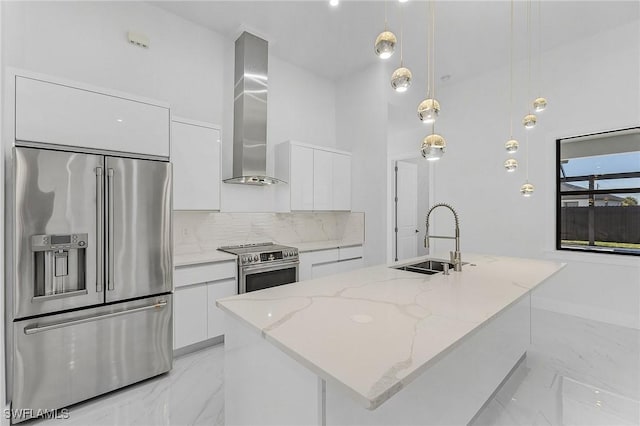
(391, 190)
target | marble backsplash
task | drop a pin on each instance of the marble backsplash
(197, 231)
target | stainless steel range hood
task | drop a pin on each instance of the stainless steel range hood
(250, 112)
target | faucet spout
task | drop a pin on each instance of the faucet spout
(456, 257)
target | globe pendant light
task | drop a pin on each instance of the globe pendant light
(511, 146)
(511, 165)
(385, 44)
(539, 104)
(433, 147)
(429, 108)
(529, 121)
(386, 41)
(401, 77)
(527, 189)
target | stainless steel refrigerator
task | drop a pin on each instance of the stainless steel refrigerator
(89, 294)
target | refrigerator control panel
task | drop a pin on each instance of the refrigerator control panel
(59, 242)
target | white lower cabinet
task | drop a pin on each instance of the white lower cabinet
(320, 263)
(190, 315)
(215, 291)
(196, 317)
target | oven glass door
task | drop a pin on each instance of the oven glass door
(261, 278)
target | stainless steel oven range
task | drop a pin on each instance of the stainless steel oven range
(264, 265)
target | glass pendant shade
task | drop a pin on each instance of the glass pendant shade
(428, 110)
(526, 190)
(401, 79)
(385, 44)
(511, 165)
(529, 121)
(433, 147)
(511, 146)
(540, 104)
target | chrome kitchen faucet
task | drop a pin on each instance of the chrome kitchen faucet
(456, 257)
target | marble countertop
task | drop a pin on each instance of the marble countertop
(186, 259)
(304, 247)
(210, 256)
(374, 330)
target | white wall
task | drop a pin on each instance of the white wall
(592, 85)
(361, 127)
(186, 65)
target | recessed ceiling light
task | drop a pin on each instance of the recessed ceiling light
(403, 1)
(334, 3)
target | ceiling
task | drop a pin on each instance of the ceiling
(471, 36)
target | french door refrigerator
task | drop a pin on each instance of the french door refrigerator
(90, 295)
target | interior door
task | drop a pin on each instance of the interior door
(55, 199)
(139, 246)
(406, 210)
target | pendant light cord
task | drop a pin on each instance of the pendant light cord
(401, 35)
(433, 49)
(540, 47)
(511, 73)
(385, 15)
(529, 54)
(428, 39)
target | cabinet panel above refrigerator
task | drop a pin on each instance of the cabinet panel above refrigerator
(56, 113)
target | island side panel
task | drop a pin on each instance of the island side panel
(264, 386)
(454, 388)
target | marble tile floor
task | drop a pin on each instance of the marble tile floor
(577, 373)
(191, 393)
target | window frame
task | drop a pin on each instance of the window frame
(559, 194)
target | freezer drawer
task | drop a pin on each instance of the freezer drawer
(67, 358)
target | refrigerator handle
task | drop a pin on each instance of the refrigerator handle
(100, 229)
(38, 329)
(110, 210)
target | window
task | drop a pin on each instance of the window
(598, 192)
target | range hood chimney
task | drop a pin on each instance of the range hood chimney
(250, 112)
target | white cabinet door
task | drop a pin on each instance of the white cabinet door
(341, 182)
(189, 315)
(218, 290)
(195, 154)
(301, 178)
(63, 115)
(322, 180)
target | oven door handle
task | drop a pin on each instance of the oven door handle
(269, 267)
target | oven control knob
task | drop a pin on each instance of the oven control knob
(246, 259)
(255, 258)
(285, 254)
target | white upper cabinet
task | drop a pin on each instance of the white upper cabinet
(195, 154)
(319, 178)
(341, 193)
(76, 115)
(300, 178)
(322, 180)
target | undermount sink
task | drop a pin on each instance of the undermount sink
(428, 267)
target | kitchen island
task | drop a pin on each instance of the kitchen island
(378, 345)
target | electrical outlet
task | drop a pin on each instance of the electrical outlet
(185, 232)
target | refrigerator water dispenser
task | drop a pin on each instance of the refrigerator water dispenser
(59, 265)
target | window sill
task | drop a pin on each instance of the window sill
(591, 257)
